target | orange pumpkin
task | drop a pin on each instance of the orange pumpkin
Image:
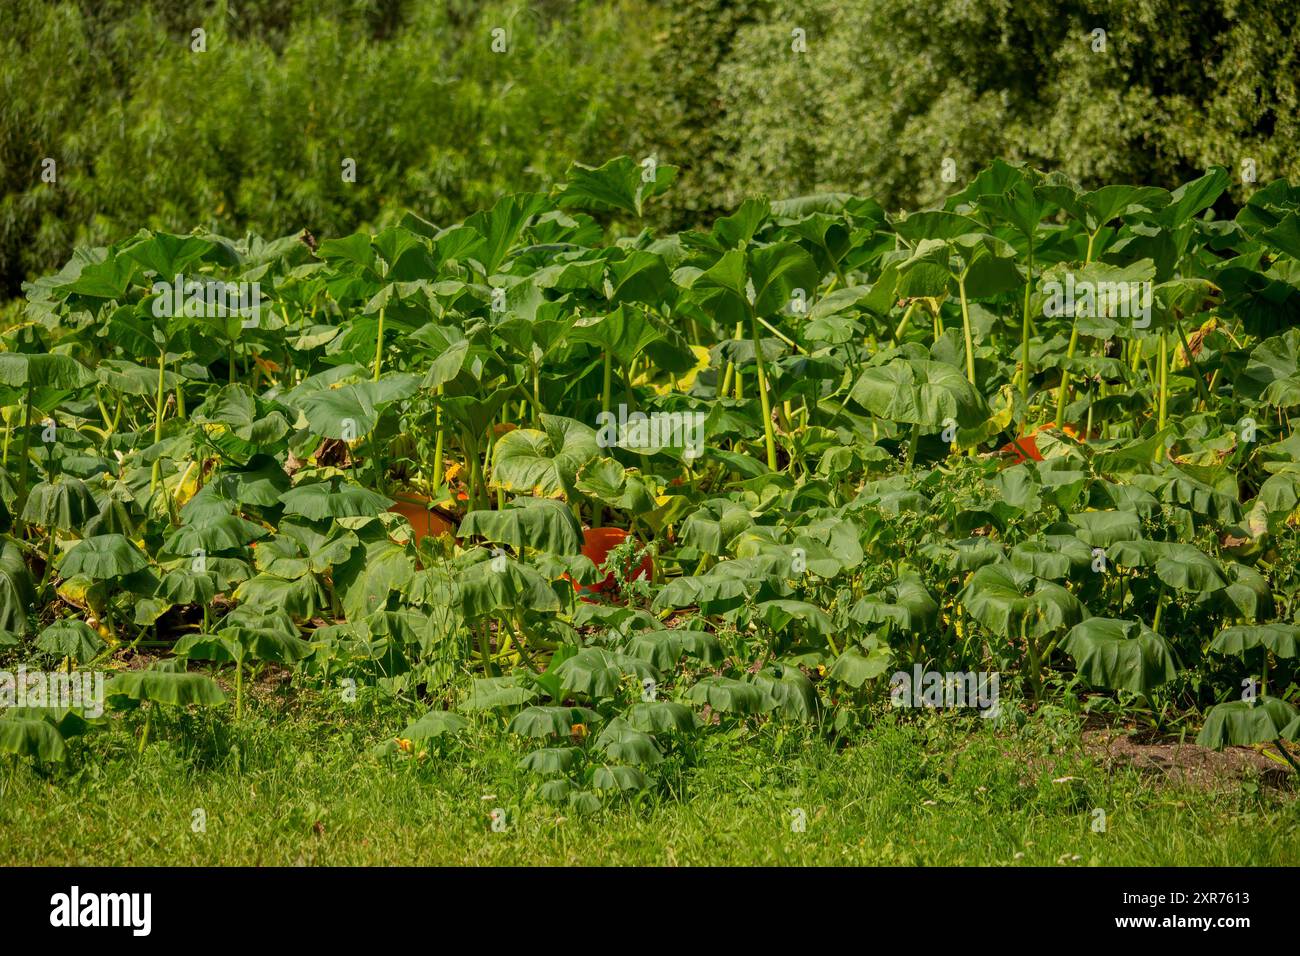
(597, 544)
(1025, 448)
(415, 509)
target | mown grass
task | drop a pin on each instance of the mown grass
(301, 785)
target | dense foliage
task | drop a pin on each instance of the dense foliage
(252, 132)
(892, 446)
(897, 99)
(887, 90)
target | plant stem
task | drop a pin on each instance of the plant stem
(1024, 332)
(965, 328)
(437, 445)
(1287, 754)
(1163, 369)
(379, 344)
(903, 322)
(607, 390)
(769, 436)
(156, 472)
(1065, 373)
(485, 650)
(24, 450)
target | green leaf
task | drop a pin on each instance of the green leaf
(1241, 723)
(436, 723)
(728, 695)
(1280, 638)
(1120, 655)
(176, 689)
(1000, 596)
(539, 523)
(618, 778)
(102, 557)
(659, 716)
(917, 391)
(65, 504)
(538, 721)
(333, 499)
(70, 638)
(596, 672)
(550, 761)
(544, 463)
(496, 693)
(618, 185)
(31, 738)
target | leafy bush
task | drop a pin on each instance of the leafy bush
(849, 442)
(252, 133)
(889, 89)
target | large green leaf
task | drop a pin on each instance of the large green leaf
(1240, 723)
(333, 499)
(101, 557)
(27, 737)
(537, 523)
(544, 463)
(70, 638)
(920, 392)
(538, 721)
(596, 672)
(1280, 638)
(1120, 655)
(728, 695)
(1001, 596)
(175, 688)
(66, 504)
(621, 185)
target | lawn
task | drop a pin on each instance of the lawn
(298, 782)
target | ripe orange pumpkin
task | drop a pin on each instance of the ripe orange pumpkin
(597, 543)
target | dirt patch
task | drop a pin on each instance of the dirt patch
(1187, 763)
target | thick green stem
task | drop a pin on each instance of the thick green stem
(159, 408)
(49, 562)
(537, 395)
(144, 734)
(1065, 374)
(903, 322)
(1286, 754)
(438, 442)
(1160, 607)
(965, 328)
(1025, 330)
(485, 649)
(25, 448)
(607, 389)
(769, 435)
(1163, 369)
(239, 690)
(379, 345)
(911, 444)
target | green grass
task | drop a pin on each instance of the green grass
(306, 789)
